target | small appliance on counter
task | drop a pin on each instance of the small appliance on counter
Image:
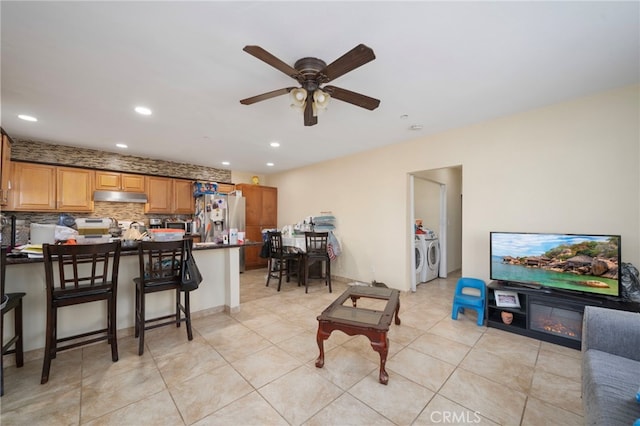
(155, 223)
(94, 230)
(178, 224)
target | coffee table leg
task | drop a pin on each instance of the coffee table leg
(321, 336)
(397, 311)
(382, 347)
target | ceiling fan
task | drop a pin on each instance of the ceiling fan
(311, 74)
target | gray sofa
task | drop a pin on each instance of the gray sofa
(610, 366)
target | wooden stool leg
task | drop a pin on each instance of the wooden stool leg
(141, 317)
(178, 307)
(137, 323)
(50, 336)
(112, 328)
(187, 314)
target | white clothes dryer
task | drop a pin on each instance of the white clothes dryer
(432, 266)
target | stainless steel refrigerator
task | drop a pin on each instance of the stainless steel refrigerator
(216, 214)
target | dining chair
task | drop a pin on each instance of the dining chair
(282, 259)
(76, 274)
(10, 302)
(316, 251)
(160, 265)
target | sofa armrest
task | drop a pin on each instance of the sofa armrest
(612, 331)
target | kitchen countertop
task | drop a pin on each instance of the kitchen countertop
(18, 260)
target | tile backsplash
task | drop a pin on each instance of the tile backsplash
(41, 152)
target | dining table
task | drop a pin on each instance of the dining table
(297, 241)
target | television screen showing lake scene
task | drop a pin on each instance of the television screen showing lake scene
(585, 263)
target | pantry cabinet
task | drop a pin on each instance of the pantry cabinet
(114, 181)
(5, 170)
(261, 213)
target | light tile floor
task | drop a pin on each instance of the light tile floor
(257, 367)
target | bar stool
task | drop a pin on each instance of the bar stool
(281, 259)
(316, 251)
(160, 265)
(10, 302)
(84, 273)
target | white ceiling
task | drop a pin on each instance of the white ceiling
(81, 68)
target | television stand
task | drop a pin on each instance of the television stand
(549, 315)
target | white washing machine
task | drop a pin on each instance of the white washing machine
(430, 258)
(420, 250)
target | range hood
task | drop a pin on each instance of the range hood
(120, 197)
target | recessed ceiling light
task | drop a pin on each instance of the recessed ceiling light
(416, 127)
(225, 163)
(275, 144)
(27, 117)
(270, 164)
(122, 145)
(143, 110)
(404, 116)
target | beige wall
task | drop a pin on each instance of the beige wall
(571, 167)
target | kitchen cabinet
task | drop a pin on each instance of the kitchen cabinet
(114, 181)
(33, 187)
(74, 189)
(41, 187)
(183, 202)
(169, 196)
(261, 213)
(225, 188)
(5, 170)
(159, 195)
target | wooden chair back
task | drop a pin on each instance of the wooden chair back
(81, 270)
(160, 262)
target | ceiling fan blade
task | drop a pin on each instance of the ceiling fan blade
(267, 57)
(351, 60)
(309, 118)
(352, 97)
(264, 96)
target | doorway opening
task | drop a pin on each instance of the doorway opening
(435, 197)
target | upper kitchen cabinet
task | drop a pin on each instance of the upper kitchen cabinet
(114, 181)
(5, 170)
(33, 187)
(159, 195)
(74, 189)
(225, 188)
(169, 196)
(183, 202)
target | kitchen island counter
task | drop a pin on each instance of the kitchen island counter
(16, 260)
(219, 291)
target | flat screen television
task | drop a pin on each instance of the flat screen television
(569, 262)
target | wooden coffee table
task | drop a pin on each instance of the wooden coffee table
(361, 321)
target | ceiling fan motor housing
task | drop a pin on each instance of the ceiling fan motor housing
(310, 75)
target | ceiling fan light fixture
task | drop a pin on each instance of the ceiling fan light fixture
(320, 101)
(298, 98)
